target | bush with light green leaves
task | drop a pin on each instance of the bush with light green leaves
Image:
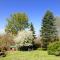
(54, 48)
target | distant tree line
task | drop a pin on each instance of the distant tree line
(18, 23)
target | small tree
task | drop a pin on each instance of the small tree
(24, 38)
(48, 29)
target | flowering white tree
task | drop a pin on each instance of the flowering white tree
(24, 38)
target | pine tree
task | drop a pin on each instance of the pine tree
(32, 29)
(48, 29)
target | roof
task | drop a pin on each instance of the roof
(12, 46)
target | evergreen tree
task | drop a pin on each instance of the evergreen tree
(32, 29)
(48, 29)
(33, 33)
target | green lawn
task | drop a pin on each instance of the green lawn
(32, 55)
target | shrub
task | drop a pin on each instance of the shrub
(37, 43)
(54, 48)
(57, 53)
(5, 42)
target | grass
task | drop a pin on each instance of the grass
(32, 55)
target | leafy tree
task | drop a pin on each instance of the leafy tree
(48, 29)
(16, 22)
(24, 38)
(32, 29)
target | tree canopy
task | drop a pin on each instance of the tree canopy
(16, 22)
(48, 29)
(24, 38)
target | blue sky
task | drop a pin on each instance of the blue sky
(35, 10)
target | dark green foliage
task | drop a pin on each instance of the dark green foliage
(54, 48)
(34, 37)
(32, 29)
(16, 22)
(25, 48)
(48, 30)
(2, 53)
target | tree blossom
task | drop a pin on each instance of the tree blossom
(24, 38)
